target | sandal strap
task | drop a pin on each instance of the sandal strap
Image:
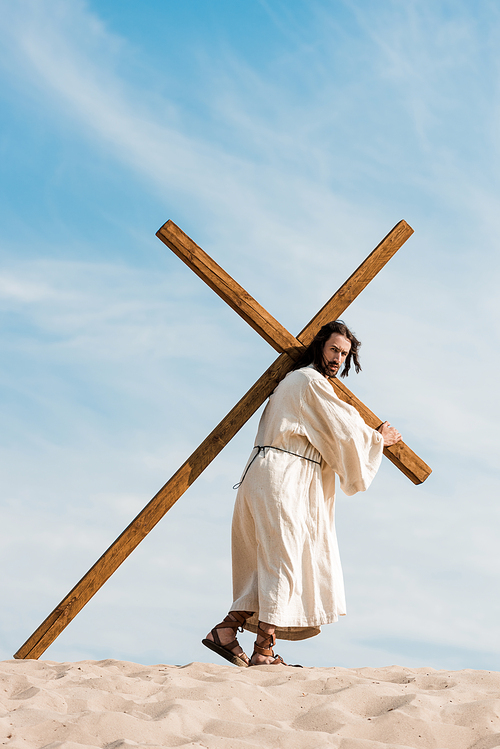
(217, 641)
(262, 651)
(267, 643)
(228, 623)
(240, 616)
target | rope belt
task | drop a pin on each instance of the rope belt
(271, 447)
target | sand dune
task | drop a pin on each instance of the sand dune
(115, 704)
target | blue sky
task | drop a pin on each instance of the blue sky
(286, 139)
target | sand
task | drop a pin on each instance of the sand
(119, 704)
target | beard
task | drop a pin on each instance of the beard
(332, 369)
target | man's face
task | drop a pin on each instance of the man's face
(335, 351)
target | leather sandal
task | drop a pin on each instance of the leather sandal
(237, 623)
(266, 648)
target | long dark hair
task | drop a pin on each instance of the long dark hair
(314, 352)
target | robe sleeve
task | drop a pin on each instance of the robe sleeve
(352, 449)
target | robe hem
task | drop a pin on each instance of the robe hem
(292, 629)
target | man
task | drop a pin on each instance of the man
(287, 577)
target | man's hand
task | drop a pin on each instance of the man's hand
(390, 434)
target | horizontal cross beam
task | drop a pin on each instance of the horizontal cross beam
(284, 342)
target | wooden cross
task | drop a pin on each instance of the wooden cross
(289, 349)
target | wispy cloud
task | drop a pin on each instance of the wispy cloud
(264, 173)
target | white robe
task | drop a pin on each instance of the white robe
(286, 564)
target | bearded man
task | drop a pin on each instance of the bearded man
(287, 577)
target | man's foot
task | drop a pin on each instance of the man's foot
(222, 639)
(263, 654)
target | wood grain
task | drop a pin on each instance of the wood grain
(261, 321)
